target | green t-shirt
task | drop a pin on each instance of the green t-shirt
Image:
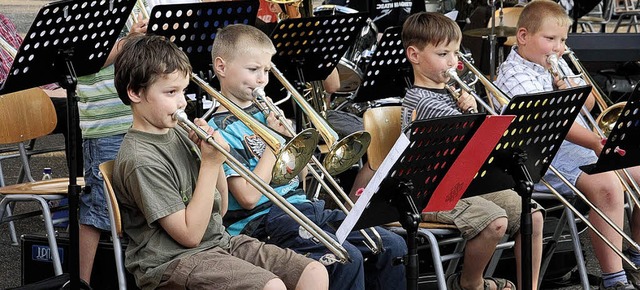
(154, 176)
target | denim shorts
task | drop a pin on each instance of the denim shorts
(567, 161)
(93, 206)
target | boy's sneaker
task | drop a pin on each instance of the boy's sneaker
(618, 286)
(632, 275)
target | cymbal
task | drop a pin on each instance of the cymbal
(500, 31)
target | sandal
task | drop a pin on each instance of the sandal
(453, 283)
(501, 283)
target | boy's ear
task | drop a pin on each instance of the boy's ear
(412, 54)
(521, 36)
(134, 97)
(219, 66)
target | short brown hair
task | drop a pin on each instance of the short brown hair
(425, 28)
(143, 60)
(236, 39)
(537, 11)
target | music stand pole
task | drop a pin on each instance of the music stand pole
(524, 187)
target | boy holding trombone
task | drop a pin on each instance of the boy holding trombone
(431, 42)
(173, 193)
(542, 31)
(241, 57)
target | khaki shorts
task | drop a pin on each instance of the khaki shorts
(248, 264)
(471, 215)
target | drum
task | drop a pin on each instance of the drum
(352, 65)
(433, 6)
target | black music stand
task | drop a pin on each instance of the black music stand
(193, 27)
(308, 49)
(622, 147)
(68, 38)
(409, 185)
(389, 73)
(525, 152)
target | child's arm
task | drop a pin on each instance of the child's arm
(139, 27)
(582, 136)
(188, 226)
(223, 189)
(247, 195)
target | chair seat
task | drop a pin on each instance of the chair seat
(58, 186)
(426, 225)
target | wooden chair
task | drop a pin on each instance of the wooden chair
(106, 169)
(383, 123)
(27, 115)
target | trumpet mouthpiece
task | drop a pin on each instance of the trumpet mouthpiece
(258, 93)
(451, 72)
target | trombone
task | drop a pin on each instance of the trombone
(342, 152)
(609, 114)
(503, 99)
(257, 182)
(8, 47)
(291, 156)
(258, 97)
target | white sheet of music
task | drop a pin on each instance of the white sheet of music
(354, 215)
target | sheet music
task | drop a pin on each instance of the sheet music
(371, 188)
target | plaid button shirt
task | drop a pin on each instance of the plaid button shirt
(9, 33)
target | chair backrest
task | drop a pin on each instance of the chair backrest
(384, 125)
(106, 168)
(26, 115)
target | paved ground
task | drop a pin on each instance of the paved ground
(22, 12)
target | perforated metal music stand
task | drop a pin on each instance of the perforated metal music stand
(194, 26)
(68, 38)
(622, 149)
(525, 152)
(308, 49)
(388, 73)
(435, 145)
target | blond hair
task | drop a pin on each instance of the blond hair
(421, 29)
(538, 11)
(238, 39)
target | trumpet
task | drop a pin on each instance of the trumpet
(291, 155)
(335, 247)
(503, 99)
(343, 153)
(259, 99)
(456, 94)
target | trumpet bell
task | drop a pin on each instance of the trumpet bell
(346, 152)
(608, 118)
(294, 156)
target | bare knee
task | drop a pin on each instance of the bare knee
(275, 284)
(496, 229)
(314, 276)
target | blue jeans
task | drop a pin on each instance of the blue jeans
(378, 272)
(93, 206)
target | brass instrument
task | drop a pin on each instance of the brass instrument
(259, 99)
(342, 153)
(290, 8)
(456, 94)
(8, 47)
(503, 99)
(291, 156)
(493, 91)
(258, 183)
